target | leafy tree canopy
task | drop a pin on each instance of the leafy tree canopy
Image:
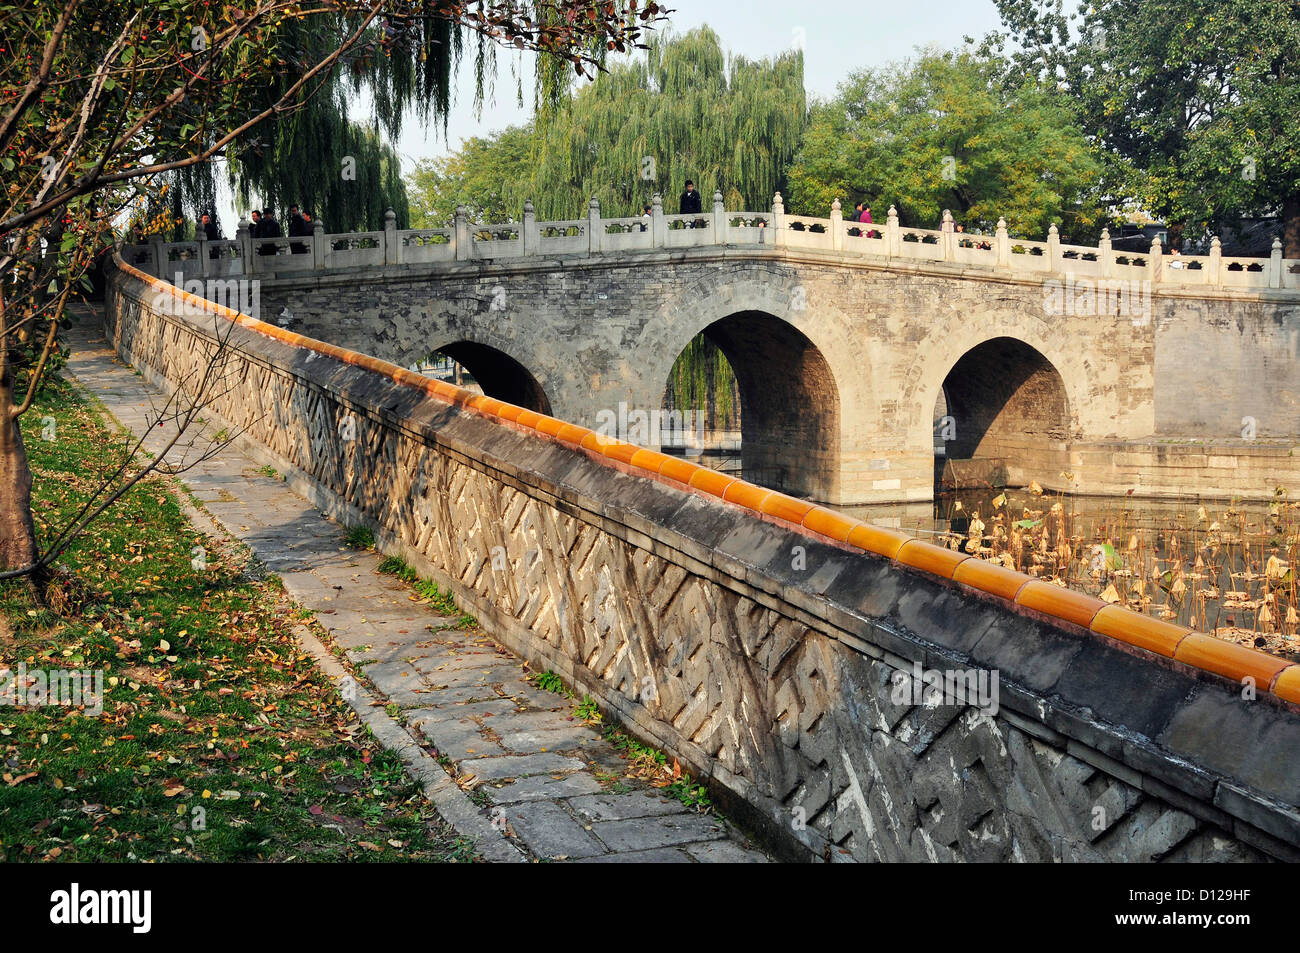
(942, 132)
(1199, 98)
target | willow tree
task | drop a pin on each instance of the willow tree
(683, 110)
(100, 101)
(703, 381)
(317, 157)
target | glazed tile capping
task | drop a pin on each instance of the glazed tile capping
(465, 240)
(1198, 650)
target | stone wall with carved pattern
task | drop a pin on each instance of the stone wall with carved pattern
(760, 655)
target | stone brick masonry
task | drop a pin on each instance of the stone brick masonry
(760, 655)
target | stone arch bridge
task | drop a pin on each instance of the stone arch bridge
(1071, 365)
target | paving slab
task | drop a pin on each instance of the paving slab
(660, 855)
(520, 766)
(565, 739)
(551, 832)
(620, 807)
(542, 787)
(642, 833)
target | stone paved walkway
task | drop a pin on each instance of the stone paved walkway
(520, 749)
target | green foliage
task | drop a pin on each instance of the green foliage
(690, 793)
(1195, 99)
(360, 537)
(702, 379)
(652, 764)
(396, 566)
(219, 739)
(491, 176)
(588, 710)
(548, 681)
(682, 111)
(427, 590)
(942, 133)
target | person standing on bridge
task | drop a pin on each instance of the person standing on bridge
(298, 228)
(255, 230)
(865, 218)
(691, 204)
(208, 229)
(270, 229)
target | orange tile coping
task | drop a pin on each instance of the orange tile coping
(1059, 602)
(937, 560)
(990, 577)
(1201, 651)
(1236, 662)
(1287, 684)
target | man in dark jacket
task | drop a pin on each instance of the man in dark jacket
(691, 204)
(270, 229)
(255, 230)
(298, 227)
(208, 230)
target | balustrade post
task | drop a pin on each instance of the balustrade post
(244, 235)
(159, 256)
(946, 239)
(1154, 266)
(837, 226)
(528, 233)
(1003, 243)
(658, 226)
(594, 229)
(464, 241)
(1053, 249)
(1105, 255)
(203, 254)
(893, 234)
(392, 250)
(719, 219)
(1215, 269)
(1275, 265)
(319, 245)
(778, 220)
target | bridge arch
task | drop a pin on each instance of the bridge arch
(1005, 401)
(1007, 393)
(498, 374)
(799, 363)
(789, 402)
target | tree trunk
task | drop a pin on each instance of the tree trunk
(17, 534)
(1291, 226)
(1175, 233)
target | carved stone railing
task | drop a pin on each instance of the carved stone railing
(997, 252)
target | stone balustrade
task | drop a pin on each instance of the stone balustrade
(888, 241)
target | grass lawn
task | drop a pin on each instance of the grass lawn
(219, 739)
